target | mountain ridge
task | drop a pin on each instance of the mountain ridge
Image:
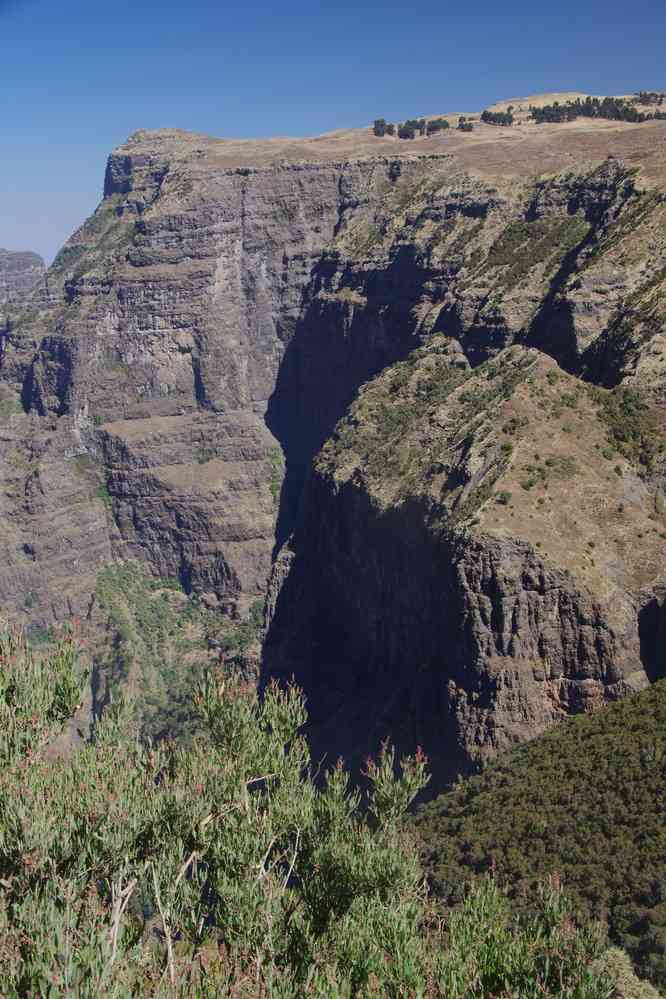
(199, 338)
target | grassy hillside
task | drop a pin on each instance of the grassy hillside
(584, 803)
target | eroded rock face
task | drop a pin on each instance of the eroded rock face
(466, 572)
(202, 334)
(154, 346)
(192, 497)
(56, 532)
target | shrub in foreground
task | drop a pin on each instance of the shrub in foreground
(584, 801)
(223, 869)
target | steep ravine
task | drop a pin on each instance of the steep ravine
(211, 324)
(468, 567)
(443, 252)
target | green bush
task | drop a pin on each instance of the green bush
(223, 869)
(633, 428)
(583, 802)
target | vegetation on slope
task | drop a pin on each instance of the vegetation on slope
(517, 447)
(585, 803)
(633, 427)
(223, 870)
(394, 432)
(524, 244)
(158, 644)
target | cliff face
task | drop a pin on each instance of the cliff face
(200, 337)
(398, 613)
(471, 564)
(152, 353)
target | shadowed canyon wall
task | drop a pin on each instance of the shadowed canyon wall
(198, 340)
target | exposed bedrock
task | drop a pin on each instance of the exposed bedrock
(218, 315)
(462, 647)
(451, 586)
(20, 271)
(156, 344)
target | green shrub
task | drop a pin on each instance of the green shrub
(223, 869)
(276, 464)
(105, 496)
(633, 428)
(524, 244)
(583, 802)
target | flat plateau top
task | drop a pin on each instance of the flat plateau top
(524, 149)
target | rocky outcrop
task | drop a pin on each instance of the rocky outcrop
(56, 530)
(201, 335)
(194, 496)
(465, 573)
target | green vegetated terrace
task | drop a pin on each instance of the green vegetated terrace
(525, 244)
(108, 230)
(393, 435)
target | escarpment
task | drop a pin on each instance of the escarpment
(472, 562)
(154, 349)
(170, 395)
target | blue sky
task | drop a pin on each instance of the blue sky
(78, 76)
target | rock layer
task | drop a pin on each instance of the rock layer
(209, 325)
(451, 586)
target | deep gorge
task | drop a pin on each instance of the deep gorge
(209, 314)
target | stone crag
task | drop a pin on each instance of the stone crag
(165, 390)
(463, 573)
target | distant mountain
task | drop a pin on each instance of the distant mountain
(19, 273)
(452, 350)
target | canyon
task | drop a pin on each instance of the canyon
(408, 394)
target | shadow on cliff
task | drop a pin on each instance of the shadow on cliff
(652, 634)
(342, 339)
(553, 329)
(370, 623)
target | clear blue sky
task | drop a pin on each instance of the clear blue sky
(78, 76)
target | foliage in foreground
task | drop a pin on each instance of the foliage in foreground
(222, 869)
(585, 801)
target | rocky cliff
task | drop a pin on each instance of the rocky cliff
(473, 562)
(196, 342)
